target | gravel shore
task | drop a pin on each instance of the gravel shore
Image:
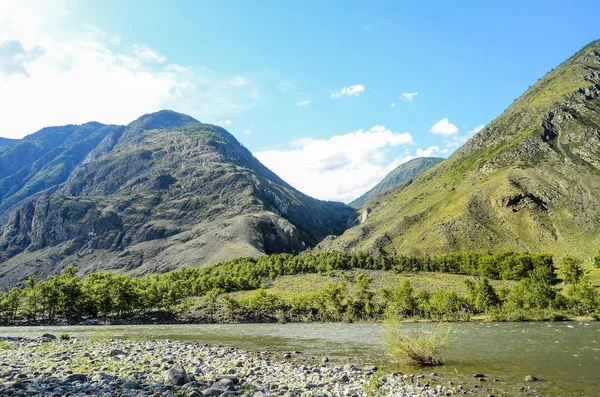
(111, 367)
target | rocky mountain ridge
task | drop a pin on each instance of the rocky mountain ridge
(163, 192)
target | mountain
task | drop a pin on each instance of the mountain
(163, 192)
(41, 161)
(529, 181)
(401, 174)
(6, 141)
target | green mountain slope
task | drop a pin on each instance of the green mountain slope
(401, 174)
(163, 192)
(42, 161)
(529, 181)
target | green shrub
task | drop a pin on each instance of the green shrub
(421, 347)
(65, 337)
(4, 345)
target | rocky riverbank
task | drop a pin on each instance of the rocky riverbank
(48, 366)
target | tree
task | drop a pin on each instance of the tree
(481, 295)
(97, 291)
(69, 285)
(572, 270)
(12, 303)
(405, 302)
(32, 300)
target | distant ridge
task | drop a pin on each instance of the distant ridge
(402, 173)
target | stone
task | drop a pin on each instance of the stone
(478, 375)
(193, 393)
(530, 378)
(130, 385)
(371, 368)
(224, 384)
(325, 360)
(176, 376)
(76, 378)
(117, 352)
(211, 391)
(15, 385)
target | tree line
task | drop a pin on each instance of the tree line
(67, 296)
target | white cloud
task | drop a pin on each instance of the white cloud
(223, 123)
(304, 103)
(247, 131)
(444, 128)
(349, 91)
(55, 71)
(240, 81)
(393, 104)
(475, 130)
(147, 54)
(339, 168)
(430, 151)
(457, 141)
(408, 96)
(14, 58)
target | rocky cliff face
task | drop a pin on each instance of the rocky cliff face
(529, 181)
(163, 192)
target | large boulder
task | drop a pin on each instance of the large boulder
(176, 376)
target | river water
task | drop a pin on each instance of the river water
(565, 355)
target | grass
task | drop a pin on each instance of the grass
(100, 336)
(288, 286)
(4, 345)
(420, 347)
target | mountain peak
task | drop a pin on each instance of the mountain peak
(162, 119)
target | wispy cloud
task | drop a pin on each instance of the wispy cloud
(444, 128)
(223, 123)
(457, 141)
(339, 168)
(98, 76)
(147, 54)
(349, 91)
(304, 103)
(14, 59)
(408, 96)
(393, 104)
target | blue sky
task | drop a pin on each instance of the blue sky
(330, 95)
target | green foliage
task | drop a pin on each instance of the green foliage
(481, 295)
(65, 337)
(4, 345)
(353, 298)
(572, 270)
(421, 347)
(597, 261)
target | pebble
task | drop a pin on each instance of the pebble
(82, 367)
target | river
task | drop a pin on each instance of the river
(565, 355)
